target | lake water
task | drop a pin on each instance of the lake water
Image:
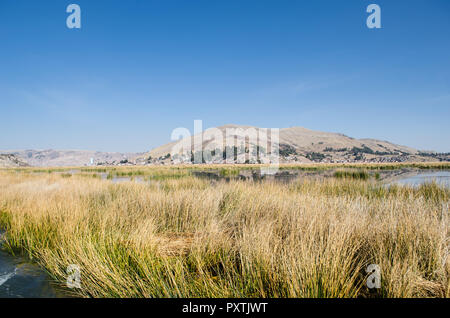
(440, 177)
(116, 179)
(21, 279)
(401, 176)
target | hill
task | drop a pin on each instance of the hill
(296, 144)
(10, 161)
(59, 158)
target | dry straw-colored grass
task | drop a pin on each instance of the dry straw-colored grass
(188, 238)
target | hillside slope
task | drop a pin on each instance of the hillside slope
(296, 144)
(59, 158)
(11, 161)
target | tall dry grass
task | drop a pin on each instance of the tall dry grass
(189, 238)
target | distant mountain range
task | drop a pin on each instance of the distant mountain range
(9, 160)
(60, 158)
(296, 144)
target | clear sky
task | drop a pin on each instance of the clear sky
(138, 69)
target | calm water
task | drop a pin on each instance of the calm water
(401, 176)
(116, 179)
(440, 177)
(22, 279)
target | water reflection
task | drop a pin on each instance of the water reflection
(440, 177)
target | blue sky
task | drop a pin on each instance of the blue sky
(138, 69)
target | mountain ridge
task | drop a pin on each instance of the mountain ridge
(304, 145)
(10, 160)
(296, 145)
(61, 158)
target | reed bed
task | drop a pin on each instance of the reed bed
(190, 237)
(227, 169)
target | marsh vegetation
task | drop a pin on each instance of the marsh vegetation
(184, 236)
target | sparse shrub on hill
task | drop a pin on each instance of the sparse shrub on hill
(315, 156)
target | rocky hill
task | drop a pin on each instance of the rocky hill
(296, 144)
(10, 161)
(59, 158)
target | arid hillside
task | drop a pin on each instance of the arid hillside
(296, 144)
(10, 161)
(60, 158)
